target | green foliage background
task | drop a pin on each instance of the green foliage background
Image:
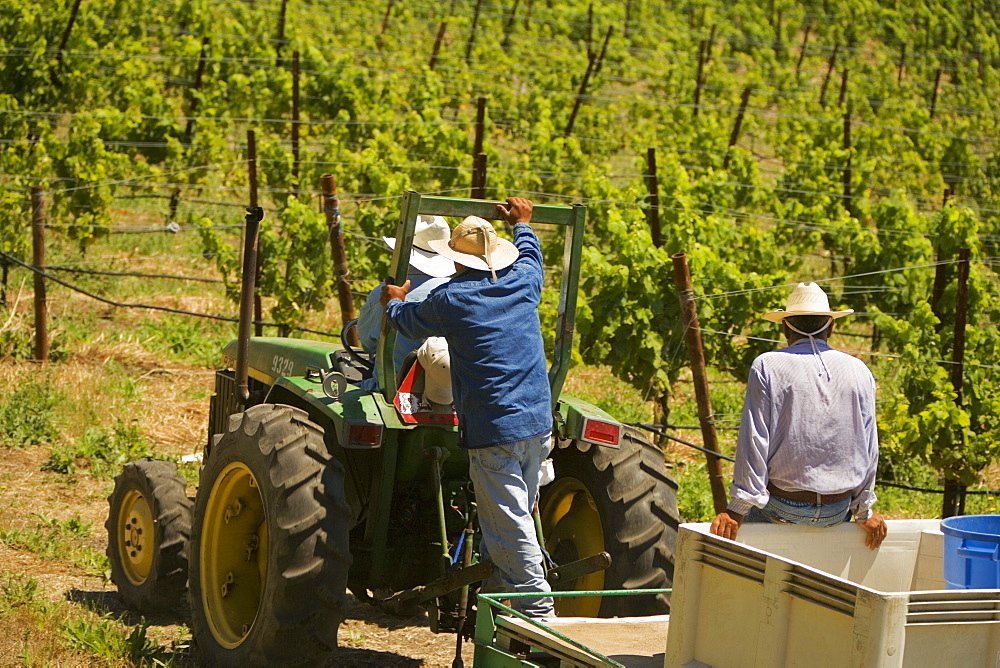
(118, 115)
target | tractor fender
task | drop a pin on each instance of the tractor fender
(354, 413)
(272, 358)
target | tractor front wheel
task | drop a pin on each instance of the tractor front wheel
(269, 550)
(615, 500)
(148, 528)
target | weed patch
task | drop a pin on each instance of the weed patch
(16, 591)
(186, 339)
(105, 639)
(52, 539)
(25, 414)
(100, 451)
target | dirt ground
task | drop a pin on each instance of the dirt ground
(368, 636)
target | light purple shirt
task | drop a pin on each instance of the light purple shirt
(805, 430)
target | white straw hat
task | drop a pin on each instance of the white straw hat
(806, 299)
(475, 244)
(422, 256)
(434, 357)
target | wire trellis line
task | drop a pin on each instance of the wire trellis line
(94, 272)
(153, 307)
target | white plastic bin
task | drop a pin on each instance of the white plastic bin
(796, 596)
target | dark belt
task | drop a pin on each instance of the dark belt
(807, 497)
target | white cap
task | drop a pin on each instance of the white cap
(422, 256)
(434, 358)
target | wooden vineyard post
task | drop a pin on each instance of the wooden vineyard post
(282, 13)
(696, 354)
(472, 32)
(653, 212)
(579, 98)
(479, 174)
(258, 312)
(295, 121)
(590, 31)
(478, 189)
(388, 14)
(829, 70)
(198, 76)
(802, 51)
(843, 87)
(954, 491)
(65, 38)
(593, 66)
(604, 51)
(848, 196)
(934, 95)
(778, 45)
(902, 64)
(508, 26)
(735, 135)
(331, 208)
(697, 77)
(437, 44)
(38, 260)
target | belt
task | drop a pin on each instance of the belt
(808, 497)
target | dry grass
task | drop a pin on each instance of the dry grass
(101, 380)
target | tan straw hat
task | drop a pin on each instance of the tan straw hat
(434, 358)
(475, 244)
(422, 256)
(806, 299)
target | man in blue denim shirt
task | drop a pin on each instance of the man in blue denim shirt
(489, 315)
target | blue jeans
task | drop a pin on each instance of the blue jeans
(783, 511)
(505, 478)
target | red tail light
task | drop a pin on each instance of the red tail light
(369, 435)
(601, 432)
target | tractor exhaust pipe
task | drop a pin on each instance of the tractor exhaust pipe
(255, 214)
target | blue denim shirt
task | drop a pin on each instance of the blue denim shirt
(370, 321)
(498, 368)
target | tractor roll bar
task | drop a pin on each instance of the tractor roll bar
(572, 217)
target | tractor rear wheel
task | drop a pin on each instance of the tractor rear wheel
(148, 525)
(617, 500)
(269, 550)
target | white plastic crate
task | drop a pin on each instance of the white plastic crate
(796, 596)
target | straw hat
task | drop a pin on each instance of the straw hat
(806, 299)
(475, 244)
(434, 358)
(422, 257)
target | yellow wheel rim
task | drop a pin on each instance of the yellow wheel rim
(136, 537)
(233, 555)
(572, 528)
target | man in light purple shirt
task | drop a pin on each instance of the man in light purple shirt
(807, 451)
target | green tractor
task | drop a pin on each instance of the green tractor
(311, 487)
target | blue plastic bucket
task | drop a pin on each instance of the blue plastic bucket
(972, 551)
